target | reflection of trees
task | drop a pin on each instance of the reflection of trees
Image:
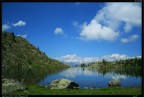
(34, 75)
(83, 69)
(136, 72)
(104, 72)
(29, 75)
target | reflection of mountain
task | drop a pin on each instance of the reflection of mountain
(72, 63)
(123, 73)
(30, 75)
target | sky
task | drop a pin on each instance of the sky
(77, 31)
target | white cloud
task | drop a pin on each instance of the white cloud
(78, 60)
(113, 14)
(129, 39)
(70, 58)
(24, 36)
(90, 59)
(19, 23)
(95, 31)
(58, 30)
(114, 57)
(5, 27)
(110, 20)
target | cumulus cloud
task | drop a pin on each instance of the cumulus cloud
(110, 20)
(95, 31)
(19, 23)
(113, 14)
(24, 36)
(129, 39)
(70, 58)
(5, 27)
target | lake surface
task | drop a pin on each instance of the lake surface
(89, 77)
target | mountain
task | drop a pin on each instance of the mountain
(17, 51)
(71, 63)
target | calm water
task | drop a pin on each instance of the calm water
(87, 77)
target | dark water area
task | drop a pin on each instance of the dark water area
(94, 78)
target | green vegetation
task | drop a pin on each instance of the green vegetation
(127, 63)
(39, 90)
(22, 61)
(21, 58)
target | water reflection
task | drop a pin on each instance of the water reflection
(90, 77)
(74, 72)
(119, 77)
(33, 75)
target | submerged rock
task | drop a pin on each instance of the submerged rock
(63, 84)
(115, 82)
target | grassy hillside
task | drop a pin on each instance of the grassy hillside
(18, 53)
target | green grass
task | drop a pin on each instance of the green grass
(39, 90)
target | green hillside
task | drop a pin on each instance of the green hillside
(18, 54)
(127, 63)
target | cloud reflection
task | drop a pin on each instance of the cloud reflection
(115, 76)
(73, 72)
(119, 77)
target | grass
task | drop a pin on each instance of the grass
(39, 90)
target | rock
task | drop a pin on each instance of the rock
(63, 84)
(10, 85)
(115, 82)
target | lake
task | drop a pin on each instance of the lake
(98, 78)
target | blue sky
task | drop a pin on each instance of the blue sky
(71, 31)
